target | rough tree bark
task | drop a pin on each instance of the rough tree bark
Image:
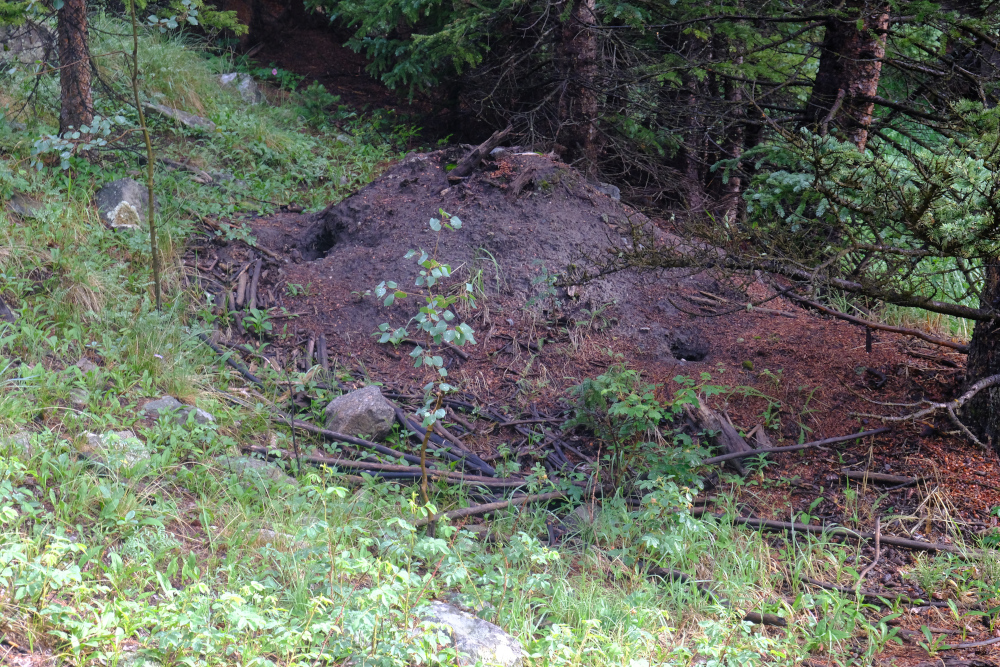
(849, 70)
(578, 103)
(76, 103)
(982, 413)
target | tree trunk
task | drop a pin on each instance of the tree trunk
(982, 413)
(577, 55)
(77, 105)
(849, 70)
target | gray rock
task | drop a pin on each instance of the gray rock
(169, 404)
(610, 190)
(363, 411)
(475, 639)
(245, 85)
(86, 365)
(115, 448)
(27, 43)
(18, 443)
(182, 117)
(246, 466)
(123, 203)
(344, 139)
(79, 398)
(275, 538)
(25, 206)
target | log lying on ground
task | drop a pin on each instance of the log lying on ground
(724, 435)
(881, 478)
(794, 448)
(490, 507)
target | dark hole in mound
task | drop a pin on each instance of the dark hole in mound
(689, 345)
(319, 240)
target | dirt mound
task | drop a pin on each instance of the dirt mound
(526, 220)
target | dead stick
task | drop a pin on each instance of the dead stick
(310, 347)
(864, 476)
(477, 510)
(241, 290)
(878, 551)
(793, 448)
(807, 528)
(985, 642)
(881, 327)
(253, 283)
(324, 360)
(467, 164)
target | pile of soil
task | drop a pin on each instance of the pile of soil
(527, 221)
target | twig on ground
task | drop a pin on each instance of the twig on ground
(490, 507)
(878, 552)
(793, 448)
(252, 299)
(469, 163)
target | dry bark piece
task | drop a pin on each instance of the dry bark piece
(725, 436)
(468, 164)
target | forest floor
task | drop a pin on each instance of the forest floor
(797, 374)
(167, 544)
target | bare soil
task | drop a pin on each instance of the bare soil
(802, 376)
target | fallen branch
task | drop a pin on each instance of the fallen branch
(243, 370)
(881, 327)
(984, 642)
(333, 436)
(725, 436)
(752, 617)
(878, 551)
(879, 598)
(252, 298)
(388, 468)
(864, 476)
(950, 407)
(468, 164)
(793, 448)
(477, 510)
(820, 530)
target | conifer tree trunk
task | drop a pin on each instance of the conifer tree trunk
(849, 70)
(76, 103)
(982, 413)
(578, 104)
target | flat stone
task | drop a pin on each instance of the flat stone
(27, 43)
(24, 206)
(182, 117)
(117, 447)
(361, 412)
(244, 84)
(79, 398)
(87, 366)
(247, 466)
(475, 639)
(169, 404)
(18, 443)
(610, 190)
(123, 203)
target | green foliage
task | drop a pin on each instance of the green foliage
(435, 318)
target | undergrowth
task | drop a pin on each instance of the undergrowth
(169, 555)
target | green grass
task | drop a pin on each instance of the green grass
(174, 560)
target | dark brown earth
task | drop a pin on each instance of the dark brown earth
(802, 376)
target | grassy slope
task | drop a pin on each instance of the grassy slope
(172, 558)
